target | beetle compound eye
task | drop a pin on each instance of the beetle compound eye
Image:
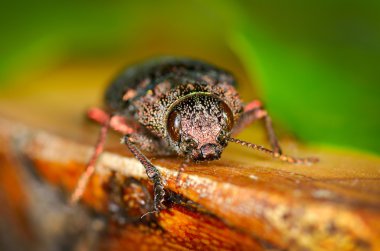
(173, 125)
(227, 115)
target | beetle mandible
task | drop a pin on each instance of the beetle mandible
(177, 106)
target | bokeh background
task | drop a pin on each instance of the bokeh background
(314, 63)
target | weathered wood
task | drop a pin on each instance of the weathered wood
(248, 201)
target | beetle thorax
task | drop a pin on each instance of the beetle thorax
(152, 109)
(200, 120)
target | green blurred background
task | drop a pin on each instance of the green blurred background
(314, 63)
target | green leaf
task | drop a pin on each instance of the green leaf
(318, 101)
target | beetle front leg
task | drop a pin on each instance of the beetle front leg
(152, 173)
(117, 123)
(90, 167)
(254, 111)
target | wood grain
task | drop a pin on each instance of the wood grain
(245, 201)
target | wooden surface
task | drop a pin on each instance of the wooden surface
(245, 201)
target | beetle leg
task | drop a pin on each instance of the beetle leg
(254, 111)
(115, 122)
(118, 124)
(90, 167)
(152, 173)
(272, 135)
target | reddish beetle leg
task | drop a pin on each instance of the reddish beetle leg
(254, 111)
(115, 122)
(118, 124)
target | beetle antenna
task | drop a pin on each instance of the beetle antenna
(279, 156)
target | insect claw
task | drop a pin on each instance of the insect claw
(158, 206)
(150, 212)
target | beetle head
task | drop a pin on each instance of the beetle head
(199, 126)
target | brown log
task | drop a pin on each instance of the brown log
(245, 201)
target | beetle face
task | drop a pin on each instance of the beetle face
(199, 126)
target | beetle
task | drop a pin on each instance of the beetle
(180, 106)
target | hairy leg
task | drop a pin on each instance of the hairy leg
(254, 111)
(119, 124)
(115, 122)
(90, 167)
(140, 137)
(152, 173)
